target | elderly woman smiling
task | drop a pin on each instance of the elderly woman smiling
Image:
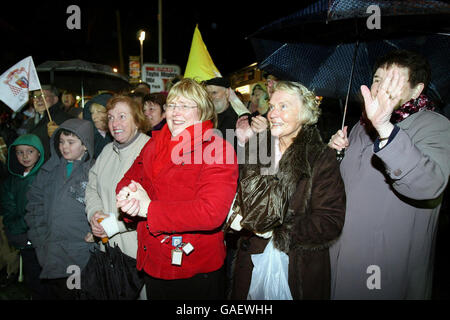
(297, 199)
(181, 206)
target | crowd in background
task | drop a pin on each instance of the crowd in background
(207, 229)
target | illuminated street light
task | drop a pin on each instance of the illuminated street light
(141, 39)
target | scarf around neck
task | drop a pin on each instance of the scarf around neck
(408, 108)
(187, 141)
(411, 107)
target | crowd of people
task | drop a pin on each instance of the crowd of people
(206, 191)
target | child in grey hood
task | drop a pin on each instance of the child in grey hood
(56, 208)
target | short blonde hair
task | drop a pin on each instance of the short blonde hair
(96, 107)
(192, 90)
(310, 112)
(140, 120)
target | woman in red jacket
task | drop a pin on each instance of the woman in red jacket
(180, 189)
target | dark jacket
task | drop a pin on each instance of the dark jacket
(14, 189)
(99, 141)
(303, 203)
(40, 129)
(227, 121)
(56, 207)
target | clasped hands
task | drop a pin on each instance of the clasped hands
(133, 200)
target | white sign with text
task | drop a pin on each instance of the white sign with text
(157, 75)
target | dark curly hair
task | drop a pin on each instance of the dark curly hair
(419, 68)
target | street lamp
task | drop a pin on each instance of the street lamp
(141, 38)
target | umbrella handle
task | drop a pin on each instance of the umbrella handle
(105, 239)
(340, 155)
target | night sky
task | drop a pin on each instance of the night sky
(40, 30)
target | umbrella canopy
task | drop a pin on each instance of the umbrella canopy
(110, 275)
(316, 45)
(81, 76)
(326, 69)
(345, 21)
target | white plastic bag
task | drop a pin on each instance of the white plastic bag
(270, 275)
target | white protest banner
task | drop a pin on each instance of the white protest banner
(17, 82)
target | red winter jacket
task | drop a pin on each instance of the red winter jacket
(187, 199)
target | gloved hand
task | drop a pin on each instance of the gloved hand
(51, 127)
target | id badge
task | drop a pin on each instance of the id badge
(188, 248)
(176, 241)
(177, 257)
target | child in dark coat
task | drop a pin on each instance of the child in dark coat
(56, 209)
(25, 158)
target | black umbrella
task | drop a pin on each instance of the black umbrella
(80, 76)
(327, 69)
(110, 275)
(328, 47)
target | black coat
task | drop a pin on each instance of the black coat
(227, 121)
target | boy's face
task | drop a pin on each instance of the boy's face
(71, 147)
(27, 156)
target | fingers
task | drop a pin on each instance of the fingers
(123, 193)
(397, 84)
(339, 140)
(134, 186)
(96, 227)
(130, 207)
(242, 122)
(99, 215)
(365, 91)
(345, 131)
(386, 82)
(392, 84)
(259, 124)
(89, 237)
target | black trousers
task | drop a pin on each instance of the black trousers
(31, 272)
(57, 290)
(202, 286)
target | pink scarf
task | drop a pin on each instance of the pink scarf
(411, 107)
(407, 109)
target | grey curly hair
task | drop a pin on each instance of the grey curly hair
(310, 112)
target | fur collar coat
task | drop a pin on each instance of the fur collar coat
(301, 200)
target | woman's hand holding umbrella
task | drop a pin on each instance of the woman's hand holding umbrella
(133, 200)
(339, 140)
(96, 227)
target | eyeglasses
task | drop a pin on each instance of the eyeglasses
(172, 107)
(40, 97)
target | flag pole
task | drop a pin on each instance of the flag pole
(40, 88)
(46, 106)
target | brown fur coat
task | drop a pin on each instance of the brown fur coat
(303, 203)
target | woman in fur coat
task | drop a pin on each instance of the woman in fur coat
(290, 190)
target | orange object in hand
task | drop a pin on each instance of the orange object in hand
(105, 239)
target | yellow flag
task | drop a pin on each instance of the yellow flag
(200, 65)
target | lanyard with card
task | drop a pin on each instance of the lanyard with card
(180, 247)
